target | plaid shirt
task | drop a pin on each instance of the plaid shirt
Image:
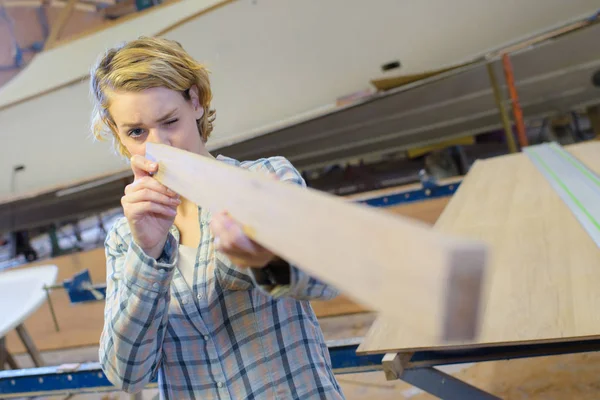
(230, 337)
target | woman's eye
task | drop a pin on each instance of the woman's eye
(135, 132)
(171, 122)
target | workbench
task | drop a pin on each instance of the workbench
(541, 292)
(88, 377)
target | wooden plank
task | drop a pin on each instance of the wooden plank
(392, 82)
(341, 305)
(81, 324)
(427, 281)
(544, 270)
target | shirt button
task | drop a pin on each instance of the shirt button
(220, 384)
(184, 301)
(155, 285)
(200, 296)
(206, 338)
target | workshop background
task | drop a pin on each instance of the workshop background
(389, 103)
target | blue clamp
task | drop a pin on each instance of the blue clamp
(80, 288)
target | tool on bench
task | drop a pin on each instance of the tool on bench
(80, 290)
(576, 185)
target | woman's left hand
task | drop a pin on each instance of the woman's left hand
(231, 240)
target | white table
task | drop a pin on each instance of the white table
(21, 294)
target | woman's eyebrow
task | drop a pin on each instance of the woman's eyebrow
(164, 118)
(167, 116)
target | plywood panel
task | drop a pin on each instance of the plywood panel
(544, 277)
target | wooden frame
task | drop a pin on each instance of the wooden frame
(425, 280)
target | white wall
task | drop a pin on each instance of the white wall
(270, 60)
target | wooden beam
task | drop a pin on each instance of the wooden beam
(425, 280)
(60, 23)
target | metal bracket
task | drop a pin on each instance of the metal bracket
(80, 290)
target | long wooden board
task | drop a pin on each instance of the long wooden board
(544, 271)
(81, 324)
(427, 281)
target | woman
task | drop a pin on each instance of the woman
(190, 299)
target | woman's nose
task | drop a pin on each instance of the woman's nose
(158, 136)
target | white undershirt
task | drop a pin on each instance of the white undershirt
(187, 263)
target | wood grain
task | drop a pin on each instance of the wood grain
(356, 248)
(544, 273)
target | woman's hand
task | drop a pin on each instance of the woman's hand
(149, 206)
(231, 240)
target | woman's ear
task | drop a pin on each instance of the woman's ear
(195, 99)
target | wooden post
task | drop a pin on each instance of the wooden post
(60, 23)
(30, 346)
(517, 112)
(393, 365)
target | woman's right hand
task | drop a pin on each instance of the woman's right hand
(149, 206)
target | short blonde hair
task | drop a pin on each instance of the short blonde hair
(145, 63)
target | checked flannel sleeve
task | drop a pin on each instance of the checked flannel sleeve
(301, 285)
(136, 309)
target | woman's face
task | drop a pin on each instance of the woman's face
(157, 115)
